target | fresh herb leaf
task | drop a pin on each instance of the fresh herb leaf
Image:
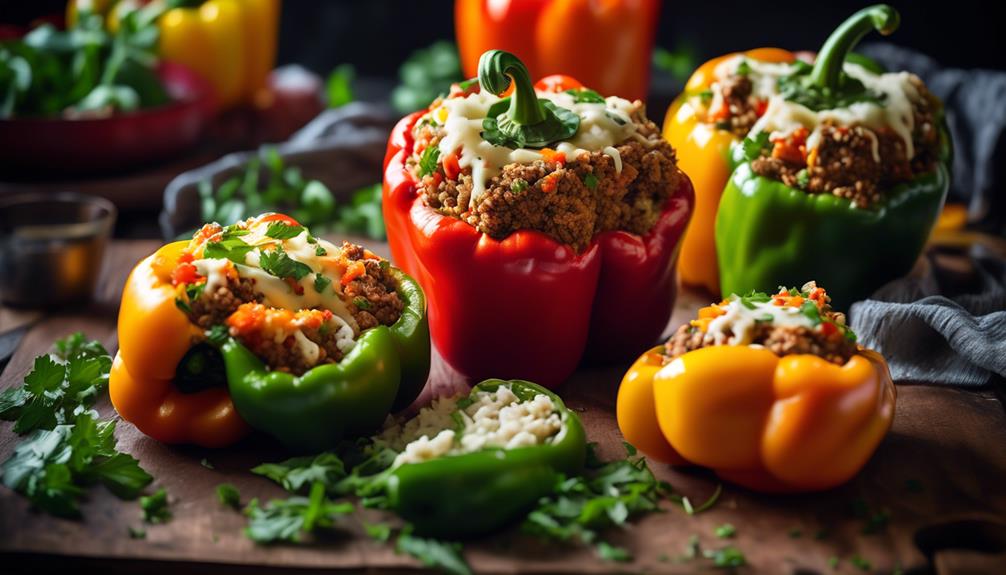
(229, 495)
(155, 507)
(276, 262)
(686, 504)
(609, 552)
(298, 473)
(803, 178)
(725, 531)
(320, 251)
(321, 283)
(378, 531)
(797, 87)
(60, 386)
(442, 555)
(361, 303)
(518, 186)
(705, 96)
(287, 519)
(726, 557)
(743, 68)
(755, 146)
(230, 248)
(591, 181)
(137, 532)
(860, 562)
(217, 335)
(428, 160)
(585, 96)
(810, 310)
(283, 231)
(339, 86)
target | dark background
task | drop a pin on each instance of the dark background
(376, 35)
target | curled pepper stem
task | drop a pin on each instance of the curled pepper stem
(828, 66)
(497, 69)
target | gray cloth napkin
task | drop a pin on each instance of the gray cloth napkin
(928, 338)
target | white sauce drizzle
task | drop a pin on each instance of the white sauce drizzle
(602, 126)
(739, 321)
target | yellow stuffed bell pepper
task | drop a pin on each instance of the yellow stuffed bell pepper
(154, 337)
(769, 391)
(702, 142)
(230, 43)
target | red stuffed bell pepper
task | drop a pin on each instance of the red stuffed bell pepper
(543, 226)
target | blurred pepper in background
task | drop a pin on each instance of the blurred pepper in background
(230, 43)
(606, 44)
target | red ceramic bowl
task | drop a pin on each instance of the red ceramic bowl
(49, 146)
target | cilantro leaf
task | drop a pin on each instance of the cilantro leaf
(283, 231)
(321, 283)
(441, 555)
(609, 552)
(155, 507)
(725, 531)
(428, 160)
(518, 185)
(726, 557)
(811, 311)
(229, 495)
(276, 262)
(755, 145)
(230, 248)
(585, 96)
(298, 473)
(591, 181)
(378, 531)
(286, 519)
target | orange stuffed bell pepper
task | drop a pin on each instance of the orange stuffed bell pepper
(702, 125)
(154, 337)
(770, 392)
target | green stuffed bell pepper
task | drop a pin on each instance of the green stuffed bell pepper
(384, 372)
(482, 463)
(842, 177)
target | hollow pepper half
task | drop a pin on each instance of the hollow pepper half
(703, 151)
(769, 423)
(154, 337)
(476, 493)
(384, 372)
(768, 233)
(615, 60)
(528, 306)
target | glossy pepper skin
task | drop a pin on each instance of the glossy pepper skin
(768, 233)
(703, 152)
(154, 336)
(773, 424)
(230, 43)
(472, 494)
(616, 60)
(384, 372)
(527, 306)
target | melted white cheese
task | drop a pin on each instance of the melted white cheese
(735, 327)
(602, 126)
(782, 117)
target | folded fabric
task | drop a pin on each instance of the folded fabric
(957, 340)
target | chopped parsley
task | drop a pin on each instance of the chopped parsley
(615, 118)
(378, 531)
(428, 160)
(442, 555)
(609, 552)
(810, 310)
(803, 178)
(283, 231)
(585, 96)
(321, 283)
(60, 386)
(743, 68)
(276, 262)
(230, 246)
(229, 495)
(590, 180)
(155, 507)
(287, 519)
(726, 557)
(320, 251)
(755, 146)
(361, 303)
(298, 473)
(705, 96)
(194, 291)
(725, 531)
(518, 186)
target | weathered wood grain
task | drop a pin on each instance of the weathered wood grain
(952, 442)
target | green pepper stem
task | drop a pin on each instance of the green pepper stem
(497, 69)
(828, 66)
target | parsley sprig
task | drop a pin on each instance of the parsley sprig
(60, 386)
(289, 519)
(278, 263)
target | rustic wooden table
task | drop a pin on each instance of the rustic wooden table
(940, 475)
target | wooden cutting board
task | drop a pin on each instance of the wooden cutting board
(940, 474)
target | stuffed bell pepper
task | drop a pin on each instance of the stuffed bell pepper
(543, 222)
(469, 465)
(837, 157)
(769, 391)
(262, 325)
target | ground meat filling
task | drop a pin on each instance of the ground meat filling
(374, 295)
(780, 340)
(570, 201)
(829, 339)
